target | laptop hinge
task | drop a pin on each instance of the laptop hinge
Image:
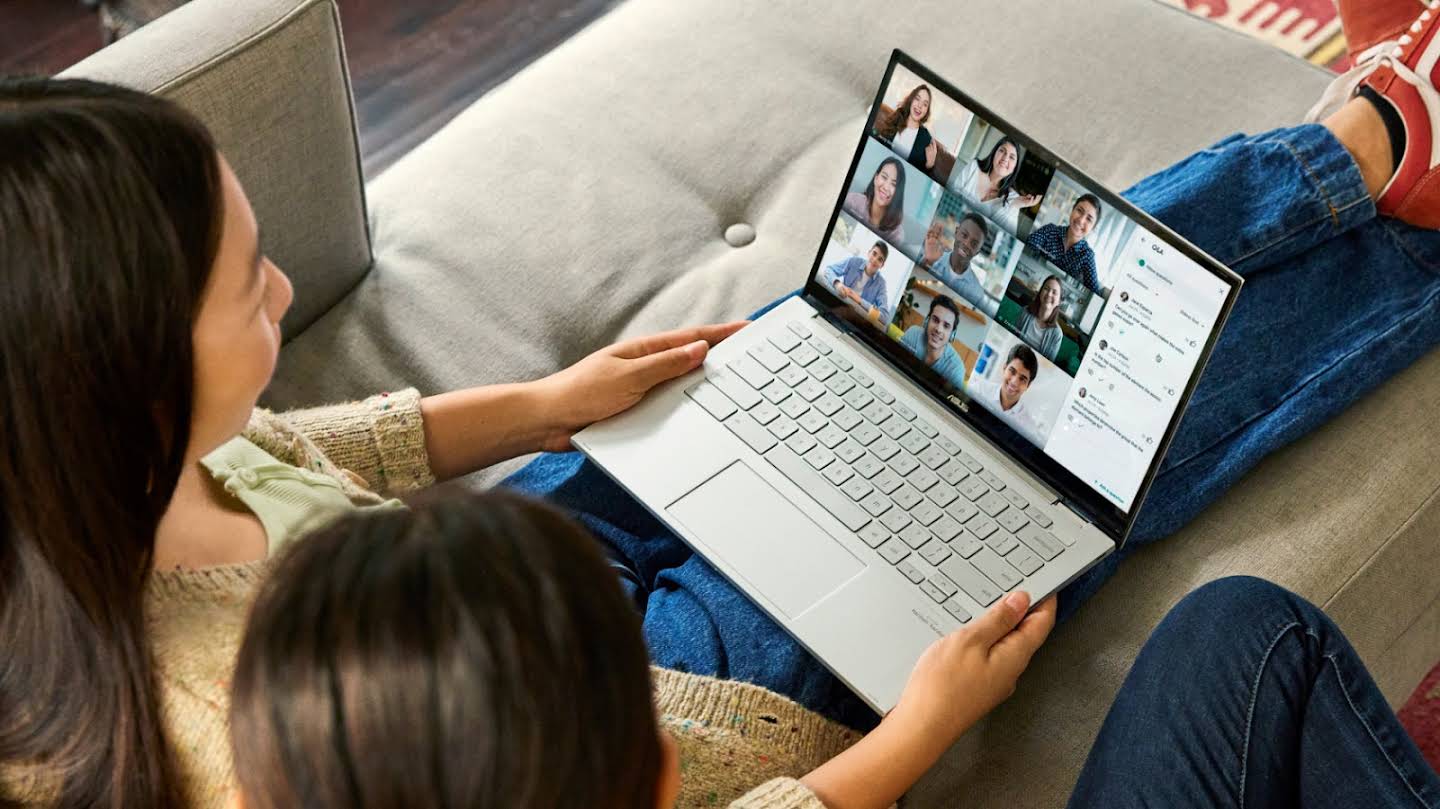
(1077, 510)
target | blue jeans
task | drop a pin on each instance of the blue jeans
(1248, 695)
(1336, 301)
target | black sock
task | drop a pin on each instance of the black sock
(1391, 116)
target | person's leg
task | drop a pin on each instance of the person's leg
(1335, 302)
(1247, 695)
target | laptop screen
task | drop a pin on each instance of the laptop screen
(1063, 323)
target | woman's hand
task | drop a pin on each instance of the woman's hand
(1026, 200)
(965, 674)
(930, 152)
(958, 680)
(616, 378)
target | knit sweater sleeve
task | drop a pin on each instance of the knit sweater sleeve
(779, 793)
(381, 438)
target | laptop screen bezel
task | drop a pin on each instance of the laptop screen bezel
(1093, 506)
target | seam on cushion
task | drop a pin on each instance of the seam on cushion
(241, 46)
(1300, 386)
(1250, 710)
(1369, 731)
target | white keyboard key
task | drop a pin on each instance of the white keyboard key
(933, 457)
(904, 412)
(992, 503)
(946, 528)
(861, 379)
(794, 407)
(838, 473)
(1017, 500)
(970, 580)
(866, 433)
(973, 488)
(849, 451)
(800, 329)
(926, 512)
(1022, 558)
(956, 611)
(1041, 542)
(1012, 520)
(893, 551)
(819, 458)
(884, 449)
(846, 419)
(910, 572)
(996, 569)
(858, 399)
(823, 369)
(936, 594)
(810, 390)
(812, 484)
(995, 482)
(839, 384)
(751, 371)
(915, 535)
(739, 392)
(830, 404)
(962, 511)
(709, 397)
(927, 429)
(856, 488)
(875, 504)
(831, 436)
(782, 428)
(1038, 516)
(887, 481)
(750, 432)
(767, 356)
(935, 552)
(874, 535)
(840, 362)
(800, 443)
(895, 519)
(951, 448)
(812, 422)
(906, 497)
(776, 392)
(785, 342)
(1002, 543)
(982, 526)
(943, 494)
(966, 544)
(915, 442)
(868, 466)
(765, 412)
(904, 463)
(923, 479)
(885, 396)
(791, 375)
(952, 472)
(804, 355)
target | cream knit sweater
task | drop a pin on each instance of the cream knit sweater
(732, 736)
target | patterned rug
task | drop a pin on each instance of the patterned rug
(1310, 29)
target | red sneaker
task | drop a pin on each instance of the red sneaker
(1368, 23)
(1406, 78)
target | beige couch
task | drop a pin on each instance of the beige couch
(588, 197)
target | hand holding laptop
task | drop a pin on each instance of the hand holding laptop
(959, 679)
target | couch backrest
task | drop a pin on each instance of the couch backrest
(269, 79)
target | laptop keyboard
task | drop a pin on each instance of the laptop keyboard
(933, 511)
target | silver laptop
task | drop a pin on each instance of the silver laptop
(971, 396)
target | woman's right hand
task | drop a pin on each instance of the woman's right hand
(965, 674)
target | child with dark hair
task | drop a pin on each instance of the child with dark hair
(478, 651)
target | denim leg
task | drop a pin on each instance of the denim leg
(1335, 302)
(1247, 695)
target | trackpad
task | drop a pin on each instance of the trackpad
(770, 543)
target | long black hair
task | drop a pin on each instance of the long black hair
(988, 162)
(474, 651)
(895, 211)
(110, 218)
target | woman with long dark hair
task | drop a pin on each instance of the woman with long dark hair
(140, 491)
(881, 206)
(989, 183)
(1039, 323)
(904, 129)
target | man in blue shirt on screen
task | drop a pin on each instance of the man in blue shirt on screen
(931, 342)
(953, 268)
(1066, 246)
(858, 280)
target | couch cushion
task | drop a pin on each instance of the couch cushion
(268, 78)
(589, 196)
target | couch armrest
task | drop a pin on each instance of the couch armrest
(269, 78)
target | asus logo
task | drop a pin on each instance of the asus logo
(955, 400)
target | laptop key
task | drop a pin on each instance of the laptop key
(946, 528)
(800, 329)
(1038, 516)
(858, 399)
(1024, 559)
(875, 504)
(904, 463)
(944, 585)
(750, 431)
(875, 412)
(794, 407)
(1002, 543)
(906, 497)
(933, 457)
(935, 552)
(830, 404)
(751, 371)
(799, 472)
(776, 391)
(927, 429)
(885, 396)
(738, 391)
(934, 592)
(712, 400)
(915, 535)
(856, 488)
(923, 479)
(1017, 500)
(887, 481)
(804, 355)
(791, 375)
(839, 384)
(812, 422)
(767, 356)
(800, 443)
(849, 451)
(893, 550)
(973, 488)
(861, 379)
(810, 390)
(885, 449)
(926, 513)
(1012, 520)
(962, 511)
(822, 369)
(838, 473)
(952, 472)
(785, 342)
(951, 448)
(956, 611)
(943, 494)
(782, 428)
(895, 520)
(970, 580)
(819, 457)
(905, 412)
(821, 346)
(992, 503)
(868, 465)
(831, 437)
(996, 569)
(966, 544)
(895, 428)
(995, 482)
(865, 433)
(915, 442)
(841, 363)
(982, 526)
(846, 419)
(874, 535)
(910, 572)
(970, 463)
(1041, 542)
(765, 412)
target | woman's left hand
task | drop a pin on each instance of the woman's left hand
(930, 152)
(1027, 200)
(616, 378)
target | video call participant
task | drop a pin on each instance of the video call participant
(1039, 323)
(1006, 398)
(989, 182)
(905, 129)
(858, 280)
(953, 268)
(931, 342)
(933, 248)
(882, 205)
(1066, 246)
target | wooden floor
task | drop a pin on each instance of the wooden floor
(414, 64)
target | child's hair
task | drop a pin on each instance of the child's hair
(474, 651)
